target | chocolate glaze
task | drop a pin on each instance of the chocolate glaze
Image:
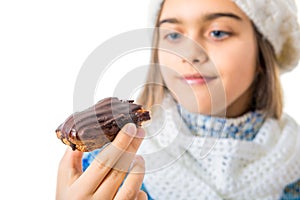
(94, 127)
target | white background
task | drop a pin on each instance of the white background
(42, 47)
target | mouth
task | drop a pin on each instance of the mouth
(197, 79)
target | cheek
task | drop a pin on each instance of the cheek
(238, 72)
(169, 65)
(168, 59)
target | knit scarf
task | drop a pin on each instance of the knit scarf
(182, 163)
(243, 128)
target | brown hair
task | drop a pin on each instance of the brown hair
(155, 87)
(267, 92)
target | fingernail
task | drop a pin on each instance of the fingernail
(130, 129)
(140, 133)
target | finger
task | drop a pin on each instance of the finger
(68, 171)
(70, 167)
(127, 157)
(137, 141)
(113, 180)
(109, 187)
(106, 159)
(133, 182)
(142, 195)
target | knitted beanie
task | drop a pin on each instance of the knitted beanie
(276, 20)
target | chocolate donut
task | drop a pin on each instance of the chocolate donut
(94, 127)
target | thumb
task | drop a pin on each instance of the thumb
(70, 167)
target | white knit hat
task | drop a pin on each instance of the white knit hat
(275, 19)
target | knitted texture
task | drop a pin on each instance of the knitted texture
(275, 19)
(242, 128)
(180, 165)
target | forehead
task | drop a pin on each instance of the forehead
(193, 9)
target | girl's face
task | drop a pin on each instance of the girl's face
(215, 78)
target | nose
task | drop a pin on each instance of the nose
(193, 52)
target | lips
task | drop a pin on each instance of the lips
(197, 79)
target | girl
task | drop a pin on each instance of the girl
(218, 131)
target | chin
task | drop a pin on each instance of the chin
(203, 108)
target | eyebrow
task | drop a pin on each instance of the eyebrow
(213, 16)
(208, 17)
(170, 20)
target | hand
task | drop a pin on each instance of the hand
(103, 177)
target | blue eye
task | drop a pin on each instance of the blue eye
(219, 34)
(173, 36)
